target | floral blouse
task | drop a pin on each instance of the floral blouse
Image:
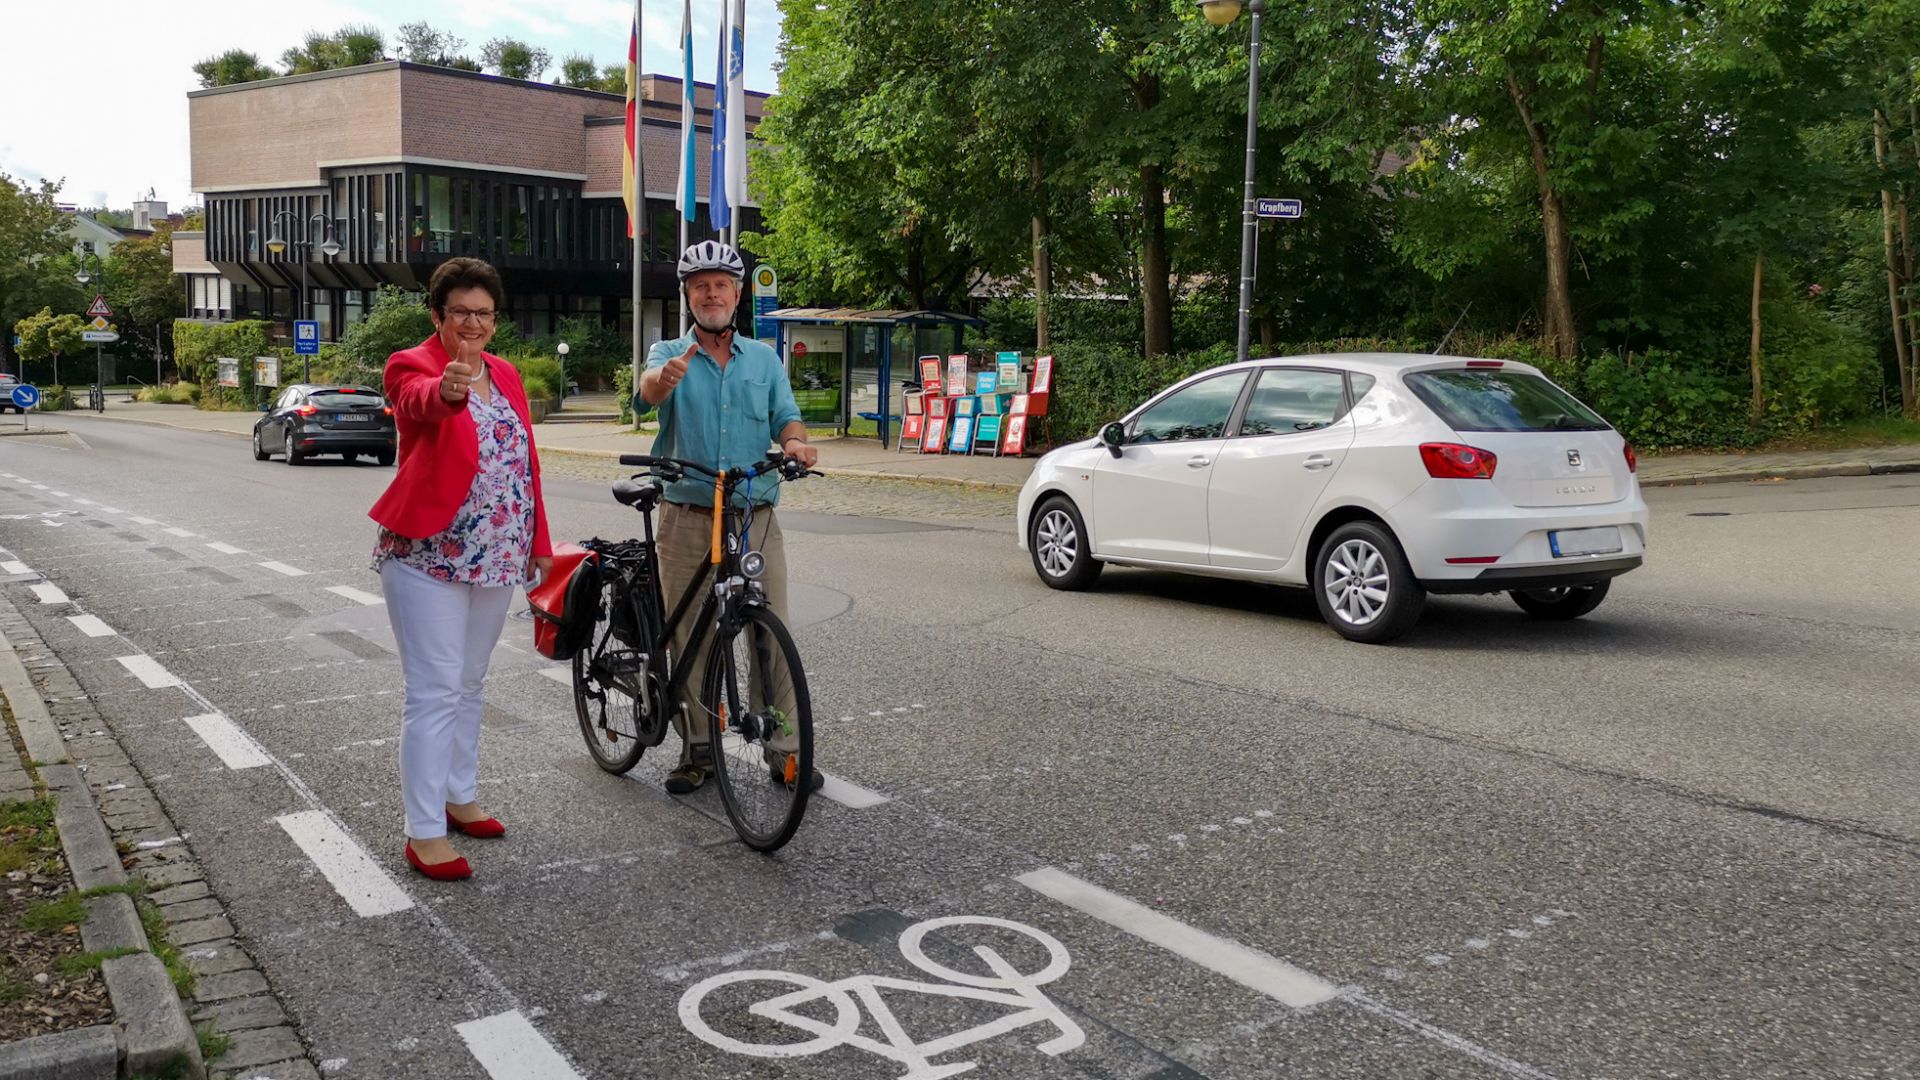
(492, 534)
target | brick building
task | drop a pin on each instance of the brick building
(405, 165)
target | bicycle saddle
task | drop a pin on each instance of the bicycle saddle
(640, 493)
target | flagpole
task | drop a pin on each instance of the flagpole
(639, 225)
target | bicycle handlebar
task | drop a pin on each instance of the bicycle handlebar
(788, 467)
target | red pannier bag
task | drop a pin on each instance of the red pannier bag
(567, 604)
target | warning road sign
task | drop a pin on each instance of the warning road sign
(99, 309)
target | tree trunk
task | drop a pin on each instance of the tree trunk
(1042, 257)
(1156, 291)
(1757, 405)
(1559, 331)
(1903, 362)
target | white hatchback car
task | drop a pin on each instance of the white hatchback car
(1373, 479)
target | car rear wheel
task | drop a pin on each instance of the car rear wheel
(259, 451)
(1561, 604)
(1365, 589)
(384, 457)
(287, 445)
(1062, 552)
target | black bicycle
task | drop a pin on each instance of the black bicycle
(753, 690)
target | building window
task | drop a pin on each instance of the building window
(439, 214)
(377, 217)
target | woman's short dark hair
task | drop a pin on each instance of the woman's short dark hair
(464, 273)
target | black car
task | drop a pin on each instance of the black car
(307, 420)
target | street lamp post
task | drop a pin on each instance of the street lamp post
(1223, 13)
(329, 247)
(99, 365)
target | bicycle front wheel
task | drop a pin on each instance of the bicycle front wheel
(755, 698)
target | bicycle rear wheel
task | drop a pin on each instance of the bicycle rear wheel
(607, 687)
(755, 698)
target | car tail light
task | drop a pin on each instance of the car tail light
(1633, 459)
(388, 410)
(1486, 363)
(1454, 461)
(307, 410)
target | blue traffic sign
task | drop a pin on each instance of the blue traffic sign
(26, 397)
(306, 337)
(1277, 208)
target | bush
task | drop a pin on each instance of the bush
(178, 393)
(595, 351)
(543, 375)
(398, 320)
(623, 390)
(56, 399)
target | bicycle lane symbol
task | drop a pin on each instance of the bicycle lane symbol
(1006, 987)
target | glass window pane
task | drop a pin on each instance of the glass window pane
(439, 213)
(1199, 411)
(1287, 400)
(1490, 399)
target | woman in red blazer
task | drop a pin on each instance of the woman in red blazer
(461, 526)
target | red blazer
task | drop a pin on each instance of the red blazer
(440, 448)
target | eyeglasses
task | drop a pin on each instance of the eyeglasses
(464, 315)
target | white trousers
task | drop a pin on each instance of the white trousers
(446, 634)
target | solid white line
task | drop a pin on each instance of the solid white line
(16, 568)
(234, 747)
(91, 625)
(177, 531)
(509, 1047)
(143, 521)
(1474, 1050)
(559, 673)
(852, 796)
(49, 593)
(283, 568)
(1250, 968)
(228, 549)
(348, 868)
(109, 509)
(149, 671)
(355, 595)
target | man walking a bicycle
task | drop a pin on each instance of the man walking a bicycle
(722, 400)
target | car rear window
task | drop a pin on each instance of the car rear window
(1490, 399)
(346, 399)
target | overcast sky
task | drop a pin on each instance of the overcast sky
(98, 94)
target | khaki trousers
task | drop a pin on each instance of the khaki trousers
(685, 544)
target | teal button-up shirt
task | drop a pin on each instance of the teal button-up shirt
(723, 418)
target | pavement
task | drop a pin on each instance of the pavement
(1167, 828)
(864, 457)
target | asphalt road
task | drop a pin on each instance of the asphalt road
(1680, 838)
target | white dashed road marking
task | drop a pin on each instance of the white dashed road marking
(356, 595)
(283, 568)
(177, 531)
(91, 625)
(143, 521)
(228, 549)
(849, 795)
(1250, 968)
(49, 594)
(15, 568)
(149, 671)
(347, 867)
(559, 673)
(234, 747)
(509, 1047)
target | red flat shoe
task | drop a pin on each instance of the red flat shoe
(484, 829)
(453, 870)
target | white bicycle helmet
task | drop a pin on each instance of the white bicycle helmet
(711, 255)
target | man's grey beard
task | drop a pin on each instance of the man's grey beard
(723, 326)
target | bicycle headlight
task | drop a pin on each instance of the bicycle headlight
(753, 564)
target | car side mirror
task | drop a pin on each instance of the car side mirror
(266, 406)
(1115, 436)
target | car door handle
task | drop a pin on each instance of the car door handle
(1318, 461)
(1199, 461)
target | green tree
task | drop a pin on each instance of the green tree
(45, 335)
(613, 79)
(349, 46)
(145, 294)
(420, 43)
(33, 240)
(231, 67)
(398, 320)
(514, 59)
(579, 72)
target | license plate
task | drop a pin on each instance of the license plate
(352, 418)
(1569, 542)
